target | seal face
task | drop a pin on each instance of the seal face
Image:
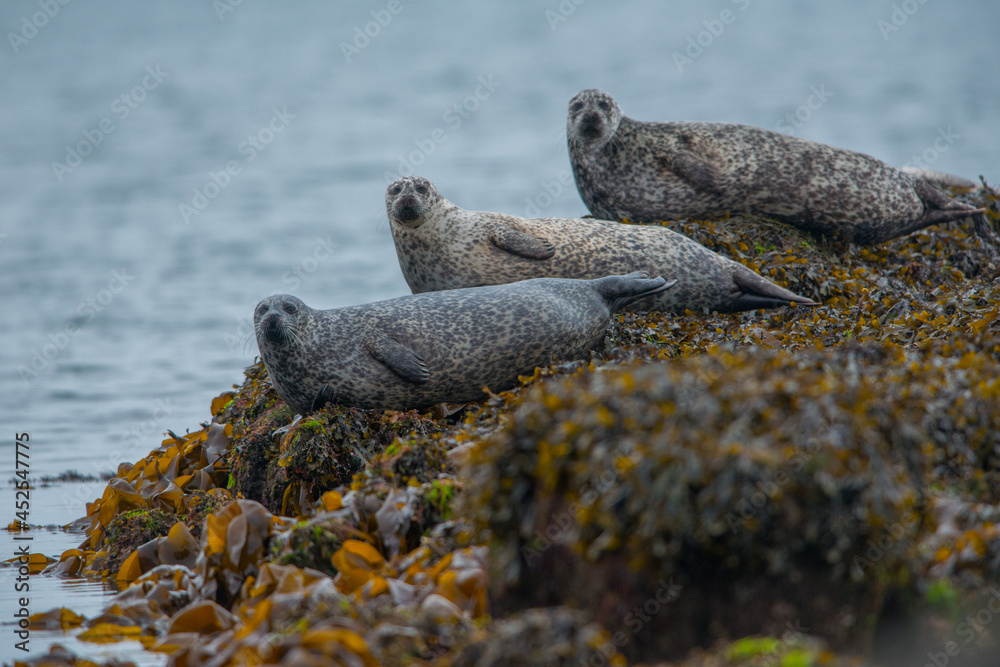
(409, 199)
(424, 349)
(447, 247)
(649, 172)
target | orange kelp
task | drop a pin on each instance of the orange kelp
(181, 478)
(838, 465)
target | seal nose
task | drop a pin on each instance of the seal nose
(407, 208)
(590, 124)
(273, 329)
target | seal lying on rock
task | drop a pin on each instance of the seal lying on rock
(649, 172)
(441, 246)
(419, 350)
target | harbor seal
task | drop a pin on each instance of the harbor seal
(649, 172)
(423, 349)
(441, 246)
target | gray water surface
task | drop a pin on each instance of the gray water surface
(135, 313)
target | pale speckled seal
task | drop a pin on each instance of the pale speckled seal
(441, 246)
(424, 349)
(649, 172)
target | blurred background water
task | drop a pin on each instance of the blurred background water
(278, 126)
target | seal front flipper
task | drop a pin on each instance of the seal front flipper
(620, 291)
(399, 359)
(323, 396)
(687, 166)
(521, 244)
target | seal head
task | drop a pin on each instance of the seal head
(280, 319)
(408, 199)
(593, 117)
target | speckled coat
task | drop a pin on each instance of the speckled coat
(441, 246)
(425, 349)
(649, 172)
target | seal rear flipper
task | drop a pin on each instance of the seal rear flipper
(399, 359)
(521, 244)
(939, 207)
(758, 292)
(937, 216)
(700, 174)
(620, 291)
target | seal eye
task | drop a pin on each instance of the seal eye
(604, 105)
(290, 308)
(576, 106)
(422, 189)
(261, 309)
(396, 190)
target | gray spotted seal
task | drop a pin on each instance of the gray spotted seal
(648, 172)
(441, 246)
(423, 349)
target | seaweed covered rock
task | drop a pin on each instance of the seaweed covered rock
(826, 270)
(59, 656)
(298, 617)
(179, 480)
(813, 478)
(554, 636)
(287, 463)
(756, 481)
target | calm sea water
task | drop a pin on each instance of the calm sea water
(279, 125)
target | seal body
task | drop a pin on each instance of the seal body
(441, 246)
(649, 172)
(424, 349)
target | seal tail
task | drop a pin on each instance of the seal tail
(758, 292)
(620, 291)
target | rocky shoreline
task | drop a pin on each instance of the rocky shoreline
(797, 487)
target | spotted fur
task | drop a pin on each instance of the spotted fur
(441, 246)
(425, 349)
(649, 172)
